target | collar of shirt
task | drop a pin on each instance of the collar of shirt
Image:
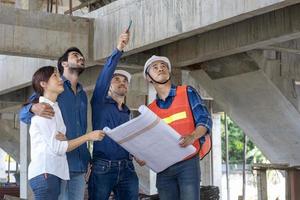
(45, 100)
(172, 93)
(124, 107)
(68, 83)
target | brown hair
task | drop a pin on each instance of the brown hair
(42, 74)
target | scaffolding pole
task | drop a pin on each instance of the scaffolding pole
(227, 157)
(244, 166)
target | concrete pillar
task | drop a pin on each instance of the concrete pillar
(211, 165)
(24, 142)
(35, 5)
(137, 92)
(217, 151)
(22, 4)
(206, 170)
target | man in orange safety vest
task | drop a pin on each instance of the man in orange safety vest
(183, 109)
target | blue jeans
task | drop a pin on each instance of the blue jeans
(181, 181)
(117, 176)
(45, 187)
(73, 188)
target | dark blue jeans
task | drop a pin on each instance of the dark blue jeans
(73, 188)
(117, 176)
(181, 181)
(45, 188)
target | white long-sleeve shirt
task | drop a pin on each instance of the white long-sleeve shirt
(48, 155)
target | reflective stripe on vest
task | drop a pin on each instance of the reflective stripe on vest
(179, 116)
(175, 117)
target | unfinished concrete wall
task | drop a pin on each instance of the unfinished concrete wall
(283, 69)
(261, 110)
(10, 137)
(40, 34)
(16, 72)
(159, 22)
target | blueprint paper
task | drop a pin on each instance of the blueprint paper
(149, 138)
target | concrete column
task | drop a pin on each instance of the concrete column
(24, 142)
(217, 151)
(211, 165)
(206, 170)
(22, 4)
(35, 5)
(138, 92)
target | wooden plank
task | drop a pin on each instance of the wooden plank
(8, 1)
(85, 4)
(270, 166)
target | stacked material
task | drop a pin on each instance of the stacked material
(209, 193)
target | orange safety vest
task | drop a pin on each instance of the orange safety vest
(180, 117)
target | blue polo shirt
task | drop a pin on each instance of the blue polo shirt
(74, 112)
(105, 112)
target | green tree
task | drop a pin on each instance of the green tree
(235, 145)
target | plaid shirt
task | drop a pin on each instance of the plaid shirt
(200, 113)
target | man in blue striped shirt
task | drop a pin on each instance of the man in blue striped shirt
(193, 123)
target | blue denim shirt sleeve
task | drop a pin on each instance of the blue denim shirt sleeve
(103, 80)
(25, 113)
(201, 115)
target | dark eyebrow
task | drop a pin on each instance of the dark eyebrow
(153, 65)
(120, 75)
(75, 53)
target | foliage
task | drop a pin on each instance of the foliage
(236, 145)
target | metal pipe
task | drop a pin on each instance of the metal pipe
(244, 167)
(212, 149)
(227, 157)
(70, 7)
(8, 170)
(48, 2)
(56, 6)
(51, 5)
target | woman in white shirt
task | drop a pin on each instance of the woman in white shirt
(49, 164)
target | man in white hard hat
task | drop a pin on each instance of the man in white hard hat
(112, 167)
(184, 110)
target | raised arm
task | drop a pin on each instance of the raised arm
(104, 78)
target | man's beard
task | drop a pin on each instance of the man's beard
(76, 69)
(117, 93)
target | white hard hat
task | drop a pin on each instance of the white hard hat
(124, 73)
(156, 58)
